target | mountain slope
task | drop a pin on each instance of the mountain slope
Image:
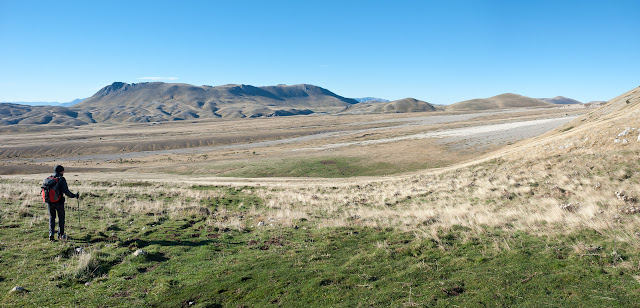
(157, 101)
(507, 100)
(73, 102)
(561, 100)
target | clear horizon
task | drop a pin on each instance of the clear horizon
(439, 52)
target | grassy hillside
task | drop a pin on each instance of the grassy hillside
(610, 128)
(405, 105)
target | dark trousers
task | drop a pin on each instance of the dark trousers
(53, 208)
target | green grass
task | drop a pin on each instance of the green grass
(325, 167)
(566, 129)
(190, 260)
(231, 199)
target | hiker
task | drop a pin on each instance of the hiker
(59, 188)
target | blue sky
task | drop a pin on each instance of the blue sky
(438, 51)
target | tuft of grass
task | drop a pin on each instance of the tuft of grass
(136, 184)
(83, 266)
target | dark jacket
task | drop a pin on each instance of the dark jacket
(63, 188)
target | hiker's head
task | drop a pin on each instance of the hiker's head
(59, 169)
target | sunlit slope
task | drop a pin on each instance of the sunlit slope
(614, 126)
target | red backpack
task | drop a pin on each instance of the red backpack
(50, 192)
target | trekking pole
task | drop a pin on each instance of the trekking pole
(78, 202)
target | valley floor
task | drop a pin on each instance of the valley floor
(313, 146)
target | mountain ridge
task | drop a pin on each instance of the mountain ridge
(158, 101)
(122, 102)
(145, 102)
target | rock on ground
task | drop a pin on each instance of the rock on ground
(18, 289)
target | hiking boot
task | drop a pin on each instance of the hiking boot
(51, 238)
(62, 237)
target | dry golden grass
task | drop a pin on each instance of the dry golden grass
(83, 263)
(493, 195)
(555, 195)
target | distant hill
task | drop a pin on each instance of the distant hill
(371, 100)
(561, 100)
(405, 105)
(399, 106)
(507, 100)
(11, 114)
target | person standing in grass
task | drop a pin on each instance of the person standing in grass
(58, 207)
